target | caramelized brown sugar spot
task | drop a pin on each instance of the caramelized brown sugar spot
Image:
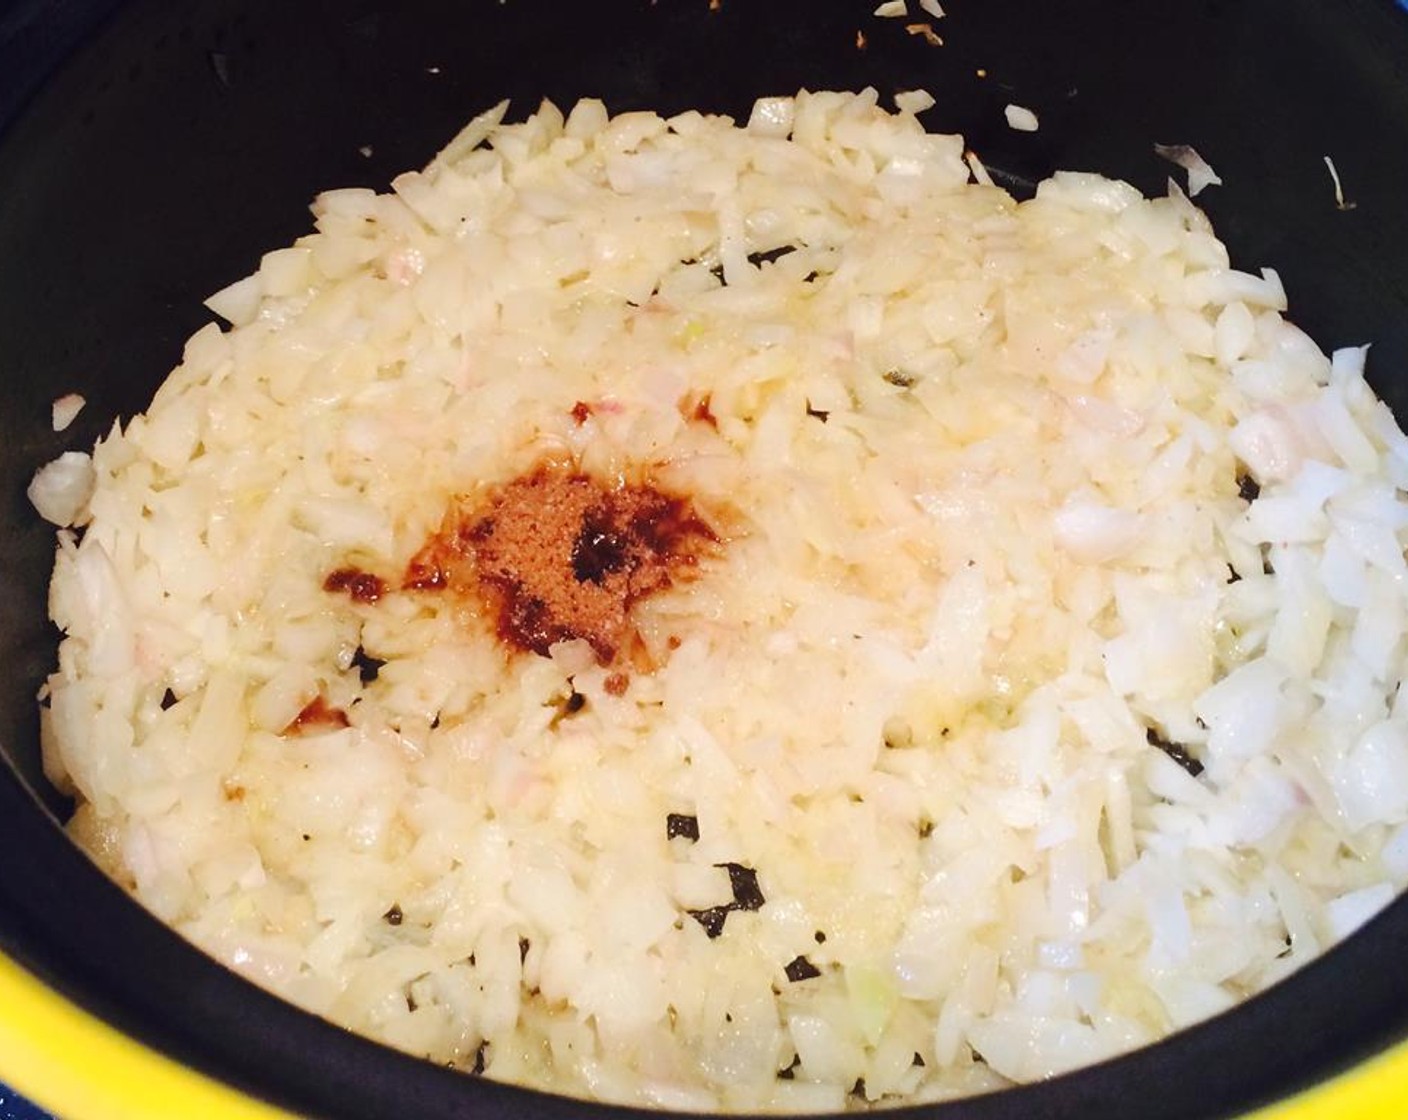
(558, 554)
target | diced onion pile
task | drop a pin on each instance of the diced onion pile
(1042, 698)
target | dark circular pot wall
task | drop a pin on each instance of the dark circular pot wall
(152, 151)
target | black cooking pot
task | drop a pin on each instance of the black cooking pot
(151, 151)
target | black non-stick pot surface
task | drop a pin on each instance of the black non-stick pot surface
(152, 151)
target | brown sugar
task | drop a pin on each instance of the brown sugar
(362, 587)
(558, 555)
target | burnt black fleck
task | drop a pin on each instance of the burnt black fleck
(395, 916)
(747, 895)
(568, 705)
(790, 1072)
(366, 665)
(681, 824)
(523, 946)
(168, 700)
(799, 969)
(481, 1057)
(899, 378)
(712, 919)
(1248, 489)
(1233, 576)
(770, 255)
(818, 413)
(1175, 751)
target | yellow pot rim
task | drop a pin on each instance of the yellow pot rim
(80, 1068)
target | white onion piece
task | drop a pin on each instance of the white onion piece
(914, 101)
(61, 489)
(772, 116)
(1200, 172)
(1093, 533)
(66, 408)
(1021, 119)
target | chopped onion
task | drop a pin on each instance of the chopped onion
(1200, 172)
(66, 408)
(61, 489)
(890, 9)
(238, 303)
(1020, 119)
(978, 170)
(772, 116)
(914, 101)
(1340, 203)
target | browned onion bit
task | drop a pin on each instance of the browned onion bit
(568, 706)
